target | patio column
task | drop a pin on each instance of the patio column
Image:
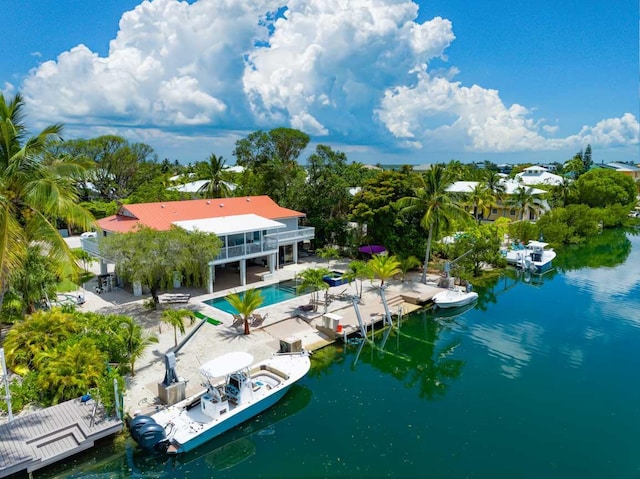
(272, 258)
(103, 267)
(243, 272)
(295, 253)
(212, 278)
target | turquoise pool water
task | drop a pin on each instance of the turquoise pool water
(538, 380)
(272, 294)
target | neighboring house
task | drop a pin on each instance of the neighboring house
(252, 228)
(624, 168)
(538, 175)
(503, 209)
(198, 186)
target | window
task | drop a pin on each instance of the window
(494, 211)
(512, 212)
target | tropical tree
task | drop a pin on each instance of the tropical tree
(384, 267)
(118, 167)
(34, 282)
(575, 165)
(175, 318)
(136, 341)
(495, 185)
(407, 264)
(153, 257)
(482, 199)
(435, 204)
(69, 371)
(524, 200)
(34, 195)
(218, 178)
(245, 304)
(603, 187)
(325, 197)
(563, 191)
(329, 253)
(357, 271)
(39, 332)
(312, 279)
(272, 156)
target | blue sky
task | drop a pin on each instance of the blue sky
(385, 81)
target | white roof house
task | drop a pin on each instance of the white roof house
(510, 186)
(198, 186)
(538, 175)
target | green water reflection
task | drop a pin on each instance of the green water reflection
(537, 380)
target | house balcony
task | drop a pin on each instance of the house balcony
(249, 250)
(293, 236)
(91, 246)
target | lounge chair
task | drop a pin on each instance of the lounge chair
(237, 320)
(258, 319)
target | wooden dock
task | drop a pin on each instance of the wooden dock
(43, 437)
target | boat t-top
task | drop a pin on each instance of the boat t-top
(535, 256)
(234, 391)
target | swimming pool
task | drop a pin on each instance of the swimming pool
(272, 294)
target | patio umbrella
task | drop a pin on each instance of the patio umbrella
(372, 249)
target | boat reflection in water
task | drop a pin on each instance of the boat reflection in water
(450, 313)
(221, 453)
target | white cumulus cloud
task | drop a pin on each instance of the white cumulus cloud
(350, 71)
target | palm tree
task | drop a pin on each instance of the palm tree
(384, 267)
(482, 199)
(563, 190)
(135, 340)
(357, 270)
(34, 194)
(496, 185)
(524, 200)
(438, 205)
(68, 372)
(575, 165)
(329, 253)
(175, 318)
(407, 264)
(312, 278)
(41, 331)
(246, 304)
(214, 171)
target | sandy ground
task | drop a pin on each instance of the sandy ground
(211, 341)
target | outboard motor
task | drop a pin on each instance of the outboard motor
(136, 423)
(152, 436)
(147, 433)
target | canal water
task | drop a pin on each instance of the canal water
(539, 380)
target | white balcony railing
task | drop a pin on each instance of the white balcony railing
(300, 234)
(90, 245)
(268, 245)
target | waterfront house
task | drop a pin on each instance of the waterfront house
(624, 168)
(252, 229)
(538, 175)
(502, 208)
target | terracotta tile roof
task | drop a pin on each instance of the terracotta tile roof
(160, 215)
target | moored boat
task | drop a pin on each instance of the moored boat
(535, 256)
(454, 298)
(234, 392)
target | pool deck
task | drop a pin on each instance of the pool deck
(282, 322)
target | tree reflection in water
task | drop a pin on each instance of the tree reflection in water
(420, 354)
